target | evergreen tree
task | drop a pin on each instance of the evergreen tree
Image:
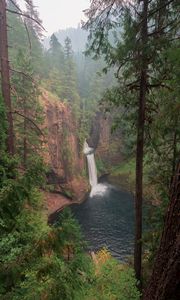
(70, 78)
(35, 26)
(28, 113)
(138, 52)
(56, 54)
(34, 34)
(68, 48)
(55, 66)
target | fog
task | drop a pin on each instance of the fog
(60, 14)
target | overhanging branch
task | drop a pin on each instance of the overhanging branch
(25, 75)
(26, 16)
(30, 120)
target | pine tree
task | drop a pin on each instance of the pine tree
(70, 78)
(138, 52)
(28, 113)
(35, 34)
(68, 48)
(55, 63)
(36, 27)
(56, 54)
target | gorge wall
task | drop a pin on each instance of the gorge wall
(108, 145)
(65, 162)
(67, 167)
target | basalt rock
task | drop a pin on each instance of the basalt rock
(61, 148)
(107, 145)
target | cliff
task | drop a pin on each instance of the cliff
(62, 154)
(108, 145)
(66, 162)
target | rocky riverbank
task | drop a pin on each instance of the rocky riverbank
(56, 201)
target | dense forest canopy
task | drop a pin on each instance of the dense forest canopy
(123, 63)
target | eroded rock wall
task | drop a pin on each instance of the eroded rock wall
(62, 155)
(108, 145)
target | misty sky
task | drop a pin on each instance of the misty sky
(60, 14)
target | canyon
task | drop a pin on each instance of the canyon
(67, 176)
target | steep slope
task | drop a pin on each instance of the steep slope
(62, 155)
(108, 146)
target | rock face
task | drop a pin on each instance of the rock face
(62, 153)
(108, 146)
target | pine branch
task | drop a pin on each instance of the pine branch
(159, 8)
(30, 4)
(25, 25)
(15, 92)
(25, 75)
(155, 32)
(30, 120)
(159, 85)
(26, 16)
(15, 5)
(134, 86)
(151, 13)
(128, 58)
(133, 7)
(28, 35)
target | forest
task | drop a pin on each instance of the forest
(90, 153)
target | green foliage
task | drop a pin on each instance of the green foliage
(125, 169)
(37, 260)
(154, 220)
(76, 80)
(54, 82)
(158, 55)
(19, 39)
(162, 151)
(67, 153)
(101, 167)
(112, 282)
(29, 116)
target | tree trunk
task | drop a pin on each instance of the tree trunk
(165, 280)
(174, 150)
(5, 76)
(25, 135)
(140, 145)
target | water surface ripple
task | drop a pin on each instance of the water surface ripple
(107, 220)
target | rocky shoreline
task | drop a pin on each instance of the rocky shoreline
(56, 201)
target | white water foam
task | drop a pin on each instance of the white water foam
(92, 170)
(89, 152)
(96, 189)
(99, 190)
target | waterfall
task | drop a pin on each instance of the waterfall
(96, 189)
(89, 152)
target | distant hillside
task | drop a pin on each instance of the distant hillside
(77, 35)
